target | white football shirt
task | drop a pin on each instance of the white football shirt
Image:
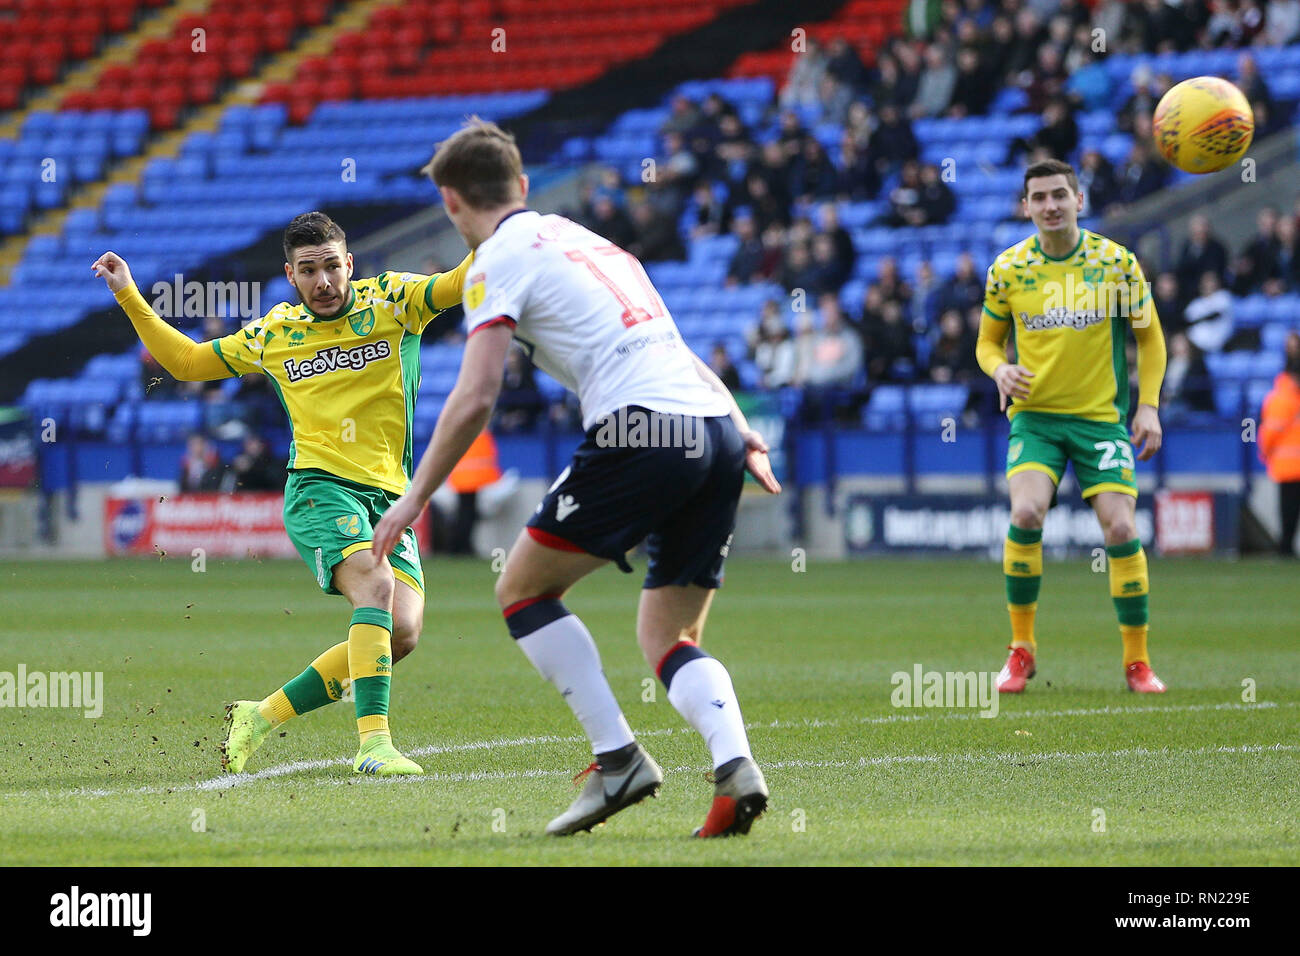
(585, 312)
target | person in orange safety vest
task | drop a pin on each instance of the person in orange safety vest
(478, 469)
(1279, 441)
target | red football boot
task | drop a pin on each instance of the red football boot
(1141, 679)
(1018, 669)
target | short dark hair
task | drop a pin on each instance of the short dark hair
(1050, 167)
(311, 229)
(480, 161)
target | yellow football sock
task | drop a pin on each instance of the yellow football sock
(1022, 626)
(1129, 590)
(276, 708)
(1022, 564)
(321, 683)
(370, 662)
(1135, 643)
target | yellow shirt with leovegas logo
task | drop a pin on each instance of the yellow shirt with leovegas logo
(1070, 317)
(348, 383)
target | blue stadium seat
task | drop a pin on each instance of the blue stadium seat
(1273, 336)
(886, 409)
(1250, 310)
(1227, 398)
(1256, 391)
(1265, 365)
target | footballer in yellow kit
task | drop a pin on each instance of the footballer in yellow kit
(345, 364)
(1071, 296)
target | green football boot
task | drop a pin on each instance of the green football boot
(246, 728)
(380, 758)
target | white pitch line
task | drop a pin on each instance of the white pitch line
(479, 776)
(230, 781)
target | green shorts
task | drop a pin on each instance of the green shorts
(1100, 451)
(329, 518)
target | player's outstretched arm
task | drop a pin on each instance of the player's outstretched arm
(187, 360)
(756, 461)
(1147, 434)
(466, 413)
(449, 287)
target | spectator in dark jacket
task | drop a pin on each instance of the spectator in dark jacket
(520, 404)
(201, 465)
(723, 367)
(1097, 182)
(829, 223)
(610, 221)
(843, 63)
(1201, 253)
(892, 285)
(953, 357)
(975, 87)
(798, 271)
(1186, 386)
(1258, 261)
(832, 272)
(1059, 134)
(999, 49)
(1142, 173)
(893, 141)
(812, 175)
(890, 353)
(937, 199)
(1288, 260)
(747, 260)
(1045, 81)
(888, 89)
(856, 178)
(757, 198)
(1029, 36)
(655, 235)
(708, 214)
(255, 468)
(1169, 303)
(1147, 91)
(964, 289)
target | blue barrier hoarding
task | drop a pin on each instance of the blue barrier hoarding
(1171, 522)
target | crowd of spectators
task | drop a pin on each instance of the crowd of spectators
(253, 468)
(776, 193)
(777, 196)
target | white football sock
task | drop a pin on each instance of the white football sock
(702, 693)
(565, 654)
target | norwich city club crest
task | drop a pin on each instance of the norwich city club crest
(1014, 450)
(349, 525)
(362, 322)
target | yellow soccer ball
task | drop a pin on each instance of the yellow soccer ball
(1203, 124)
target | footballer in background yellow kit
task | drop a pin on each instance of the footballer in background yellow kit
(1071, 296)
(345, 364)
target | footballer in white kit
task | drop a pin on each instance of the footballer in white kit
(663, 462)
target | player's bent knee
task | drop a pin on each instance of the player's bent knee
(1120, 531)
(1028, 517)
(405, 638)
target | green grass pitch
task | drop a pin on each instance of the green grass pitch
(1196, 776)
